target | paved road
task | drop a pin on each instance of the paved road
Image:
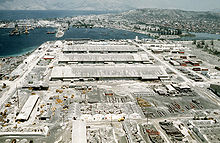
(163, 134)
(166, 64)
(187, 80)
(210, 95)
(32, 61)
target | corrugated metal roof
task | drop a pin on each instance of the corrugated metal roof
(100, 48)
(28, 107)
(103, 58)
(61, 72)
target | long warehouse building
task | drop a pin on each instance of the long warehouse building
(27, 108)
(101, 58)
(85, 48)
(108, 72)
(79, 132)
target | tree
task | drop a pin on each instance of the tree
(179, 32)
(212, 42)
(194, 42)
(199, 45)
(206, 46)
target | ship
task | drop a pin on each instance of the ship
(59, 33)
(26, 31)
(51, 32)
(15, 31)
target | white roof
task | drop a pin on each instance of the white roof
(61, 72)
(28, 107)
(79, 132)
(48, 57)
(103, 57)
(184, 86)
(100, 48)
(170, 88)
(58, 43)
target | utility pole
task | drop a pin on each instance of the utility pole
(147, 117)
(111, 121)
(63, 118)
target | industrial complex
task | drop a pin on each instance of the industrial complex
(111, 91)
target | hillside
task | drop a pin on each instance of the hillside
(174, 14)
(194, 21)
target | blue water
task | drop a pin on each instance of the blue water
(43, 14)
(17, 45)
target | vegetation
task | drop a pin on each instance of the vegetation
(212, 42)
(194, 42)
(191, 21)
(206, 47)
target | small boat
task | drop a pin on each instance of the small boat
(59, 34)
(14, 32)
(51, 32)
(26, 31)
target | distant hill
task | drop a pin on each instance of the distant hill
(168, 14)
(193, 21)
(97, 5)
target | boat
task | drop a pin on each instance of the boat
(51, 32)
(26, 31)
(14, 32)
(59, 34)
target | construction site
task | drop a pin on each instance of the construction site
(125, 91)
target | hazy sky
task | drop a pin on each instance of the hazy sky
(102, 4)
(182, 4)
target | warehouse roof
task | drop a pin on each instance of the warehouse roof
(27, 108)
(79, 132)
(103, 57)
(100, 48)
(68, 72)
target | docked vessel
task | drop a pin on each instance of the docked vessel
(51, 32)
(15, 31)
(26, 31)
(59, 34)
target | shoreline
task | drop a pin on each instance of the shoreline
(23, 53)
(18, 55)
(10, 63)
(26, 53)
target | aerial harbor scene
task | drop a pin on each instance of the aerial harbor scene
(107, 71)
